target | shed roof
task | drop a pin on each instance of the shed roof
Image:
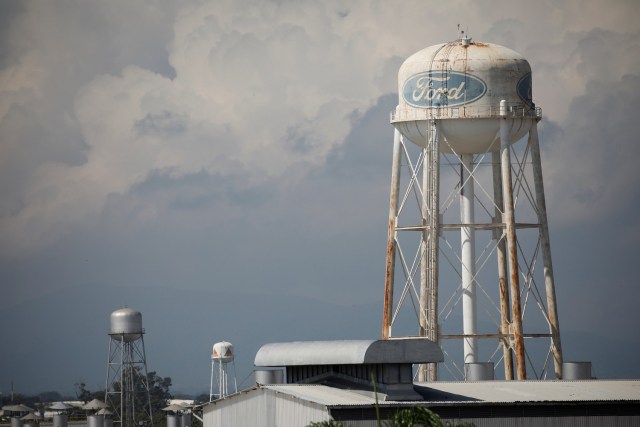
(348, 352)
(532, 391)
(324, 395)
(481, 392)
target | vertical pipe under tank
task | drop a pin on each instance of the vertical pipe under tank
(423, 372)
(434, 240)
(509, 224)
(429, 246)
(501, 258)
(468, 255)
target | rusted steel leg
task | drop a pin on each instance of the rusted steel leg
(512, 249)
(387, 311)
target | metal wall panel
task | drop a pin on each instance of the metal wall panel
(292, 412)
(580, 421)
(264, 408)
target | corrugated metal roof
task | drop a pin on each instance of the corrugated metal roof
(324, 395)
(534, 391)
(477, 392)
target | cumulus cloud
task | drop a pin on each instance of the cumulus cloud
(98, 98)
(590, 157)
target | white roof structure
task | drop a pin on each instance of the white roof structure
(94, 405)
(60, 406)
(485, 403)
(325, 395)
(477, 392)
(348, 352)
(534, 391)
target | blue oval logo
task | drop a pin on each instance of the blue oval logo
(524, 89)
(442, 89)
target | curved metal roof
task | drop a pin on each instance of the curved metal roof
(348, 352)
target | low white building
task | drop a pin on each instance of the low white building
(332, 381)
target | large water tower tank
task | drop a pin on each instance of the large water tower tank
(222, 351)
(126, 324)
(461, 84)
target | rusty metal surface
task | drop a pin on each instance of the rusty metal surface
(505, 311)
(514, 280)
(391, 239)
(451, 82)
(552, 309)
(487, 119)
(388, 283)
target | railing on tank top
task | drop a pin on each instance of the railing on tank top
(466, 112)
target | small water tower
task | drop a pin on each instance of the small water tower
(468, 222)
(127, 385)
(221, 356)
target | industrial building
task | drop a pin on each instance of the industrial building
(328, 381)
(499, 403)
(468, 109)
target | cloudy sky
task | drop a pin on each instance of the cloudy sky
(244, 146)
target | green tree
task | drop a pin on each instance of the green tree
(330, 423)
(159, 395)
(82, 393)
(415, 416)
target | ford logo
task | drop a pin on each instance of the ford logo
(442, 89)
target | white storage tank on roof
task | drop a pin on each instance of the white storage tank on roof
(126, 324)
(461, 84)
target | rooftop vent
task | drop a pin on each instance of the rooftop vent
(359, 365)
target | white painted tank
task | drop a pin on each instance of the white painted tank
(268, 376)
(479, 371)
(173, 420)
(185, 419)
(222, 351)
(462, 83)
(576, 371)
(60, 420)
(95, 421)
(126, 324)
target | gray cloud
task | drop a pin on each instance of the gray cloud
(592, 160)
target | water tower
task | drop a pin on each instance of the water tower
(221, 356)
(127, 385)
(468, 236)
